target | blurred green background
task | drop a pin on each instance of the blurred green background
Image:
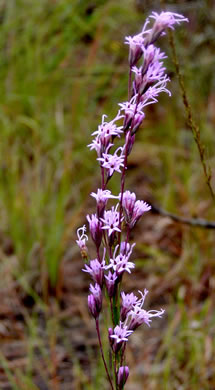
(63, 64)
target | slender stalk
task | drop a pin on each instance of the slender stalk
(115, 369)
(122, 189)
(103, 178)
(190, 121)
(122, 354)
(102, 353)
(129, 83)
(112, 313)
(116, 306)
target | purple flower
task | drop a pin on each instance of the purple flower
(140, 208)
(102, 197)
(153, 91)
(122, 376)
(112, 162)
(96, 270)
(138, 315)
(166, 19)
(120, 334)
(128, 301)
(126, 248)
(95, 300)
(111, 220)
(151, 54)
(151, 71)
(120, 263)
(161, 22)
(105, 133)
(81, 241)
(95, 229)
(135, 48)
(111, 283)
(136, 45)
(98, 146)
(128, 202)
(155, 72)
(133, 209)
(109, 129)
(133, 114)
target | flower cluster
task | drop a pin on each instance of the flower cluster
(110, 227)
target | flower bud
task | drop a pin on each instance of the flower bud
(95, 300)
(95, 229)
(122, 376)
(92, 306)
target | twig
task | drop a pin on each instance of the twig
(197, 222)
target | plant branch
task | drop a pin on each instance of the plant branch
(197, 222)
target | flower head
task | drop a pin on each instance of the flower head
(102, 197)
(111, 283)
(134, 114)
(128, 301)
(121, 333)
(166, 20)
(138, 315)
(136, 45)
(126, 248)
(135, 52)
(120, 263)
(96, 270)
(109, 129)
(151, 54)
(104, 135)
(140, 208)
(111, 220)
(112, 162)
(133, 209)
(162, 21)
(81, 241)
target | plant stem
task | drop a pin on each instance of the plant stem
(122, 189)
(115, 369)
(102, 353)
(103, 178)
(129, 83)
(190, 121)
(115, 306)
(112, 313)
(122, 354)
